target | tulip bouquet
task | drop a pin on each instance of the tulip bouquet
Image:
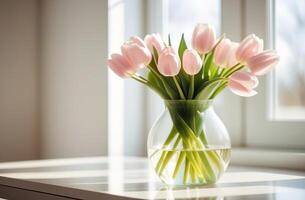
(197, 73)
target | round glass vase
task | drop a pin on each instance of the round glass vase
(189, 144)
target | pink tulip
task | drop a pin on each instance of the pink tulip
(191, 62)
(136, 52)
(249, 47)
(168, 62)
(232, 58)
(203, 38)
(243, 83)
(154, 41)
(120, 65)
(225, 53)
(263, 62)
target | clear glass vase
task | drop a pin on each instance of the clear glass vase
(189, 144)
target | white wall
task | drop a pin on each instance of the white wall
(18, 80)
(53, 78)
(74, 78)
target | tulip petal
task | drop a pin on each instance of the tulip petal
(168, 62)
(120, 65)
(203, 38)
(191, 62)
(245, 78)
(137, 54)
(154, 41)
(263, 62)
(249, 47)
(240, 90)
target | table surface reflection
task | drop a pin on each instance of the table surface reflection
(132, 178)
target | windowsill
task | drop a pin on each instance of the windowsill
(268, 158)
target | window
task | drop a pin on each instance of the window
(290, 74)
(250, 125)
(116, 30)
(275, 90)
(182, 17)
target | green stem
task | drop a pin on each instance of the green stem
(146, 82)
(218, 90)
(190, 156)
(201, 165)
(168, 89)
(186, 171)
(214, 72)
(169, 139)
(208, 64)
(179, 88)
(155, 72)
(207, 83)
(193, 175)
(231, 69)
(191, 90)
(201, 159)
(235, 70)
(179, 163)
(212, 81)
(169, 155)
(206, 71)
(221, 72)
(216, 159)
(139, 79)
(191, 140)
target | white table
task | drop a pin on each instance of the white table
(132, 178)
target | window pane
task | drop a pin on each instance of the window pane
(290, 73)
(184, 15)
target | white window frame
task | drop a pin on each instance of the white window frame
(261, 129)
(243, 116)
(126, 98)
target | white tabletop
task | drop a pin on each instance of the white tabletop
(130, 177)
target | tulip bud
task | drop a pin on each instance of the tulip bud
(136, 52)
(191, 62)
(120, 65)
(243, 83)
(168, 62)
(249, 47)
(263, 62)
(203, 38)
(154, 41)
(225, 53)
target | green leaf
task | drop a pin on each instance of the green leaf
(210, 60)
(156, 85)
(183, 81)
(199, 77)
(208, 65)
(208, 91)
(219, 89)
(183, 77)
(154, 81)
(214, 70)
(182, 47)
(155, 56)
(169, 40)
